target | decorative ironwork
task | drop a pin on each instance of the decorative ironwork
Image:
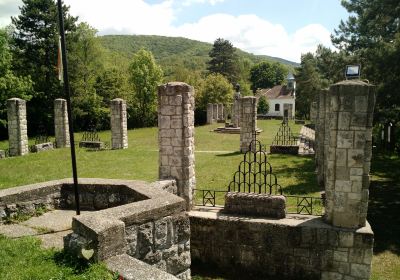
(284, 136)
(91, 136)
(306, 205)
(255, 172)
(303, 205)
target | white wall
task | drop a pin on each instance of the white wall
(272, 102)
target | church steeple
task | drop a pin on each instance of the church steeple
(291, 83)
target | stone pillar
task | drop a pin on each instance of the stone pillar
(320, 137)
(215, 112)
(17, 127)
(176, 137)
(248, 121)
(236, 112)
(210, 116)
(61, 128)
(349, 153)
(220, 112)
(313, 112)
(119, 131)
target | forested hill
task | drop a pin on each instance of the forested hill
(170, 51)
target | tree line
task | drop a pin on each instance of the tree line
(28, 59)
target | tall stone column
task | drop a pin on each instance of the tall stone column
(236, 112)
(313, 112)
(61, 128)
(17, 127)
(349, 153)
(215, 112)
(320, 136)
(119, 131)
(248, 121)
(210, 113)
(220, 112)
(176, 137)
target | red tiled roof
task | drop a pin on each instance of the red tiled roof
(277, 92)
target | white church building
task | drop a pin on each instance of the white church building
(281, 99)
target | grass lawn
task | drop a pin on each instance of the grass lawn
(217, 159)
(24, 259)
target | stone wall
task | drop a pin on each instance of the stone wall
(248, 121)
(297, 247)
(119, 131)
(17, 127)
(176, 137)
(61, 128)
(349, 153)
(155, 230)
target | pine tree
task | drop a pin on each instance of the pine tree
(224, 60)
(36, 43)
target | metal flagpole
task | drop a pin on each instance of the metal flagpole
(68, 96)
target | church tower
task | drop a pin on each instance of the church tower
(291, 83)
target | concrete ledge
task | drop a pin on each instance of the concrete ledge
(133, 269)
(255, 204)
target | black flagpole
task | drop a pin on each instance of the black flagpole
(68, 96)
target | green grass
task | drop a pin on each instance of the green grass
(216, 161)
(23, 258)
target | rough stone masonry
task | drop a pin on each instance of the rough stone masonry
(61, 123)
(349, 153)
(248, 121)
(17, 127)
(176, 137)
(119, 130)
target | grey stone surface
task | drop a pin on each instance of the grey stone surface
(248, 121)
(295, 247)
(210, 113)
(119, 131)
(272, 206)
(176, 137)
(132, 269)
(61, 128)
(17, 230)
(347, 153)
(17, 127)
(42, 147)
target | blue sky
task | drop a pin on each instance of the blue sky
(279, 28)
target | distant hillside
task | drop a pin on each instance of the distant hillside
(172, 51)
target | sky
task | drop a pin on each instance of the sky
(280, 28)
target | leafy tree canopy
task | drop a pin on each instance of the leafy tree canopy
(144, 77)
(216, 89)
(267, 75)
(10, 84)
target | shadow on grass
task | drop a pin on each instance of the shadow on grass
(306, 178)
(384, 203)
(229, 154)
(65, 259)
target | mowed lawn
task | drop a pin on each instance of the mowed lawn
(217, 158)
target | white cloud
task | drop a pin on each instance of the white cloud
(256, 35)
(191, 2)
(248, 32)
